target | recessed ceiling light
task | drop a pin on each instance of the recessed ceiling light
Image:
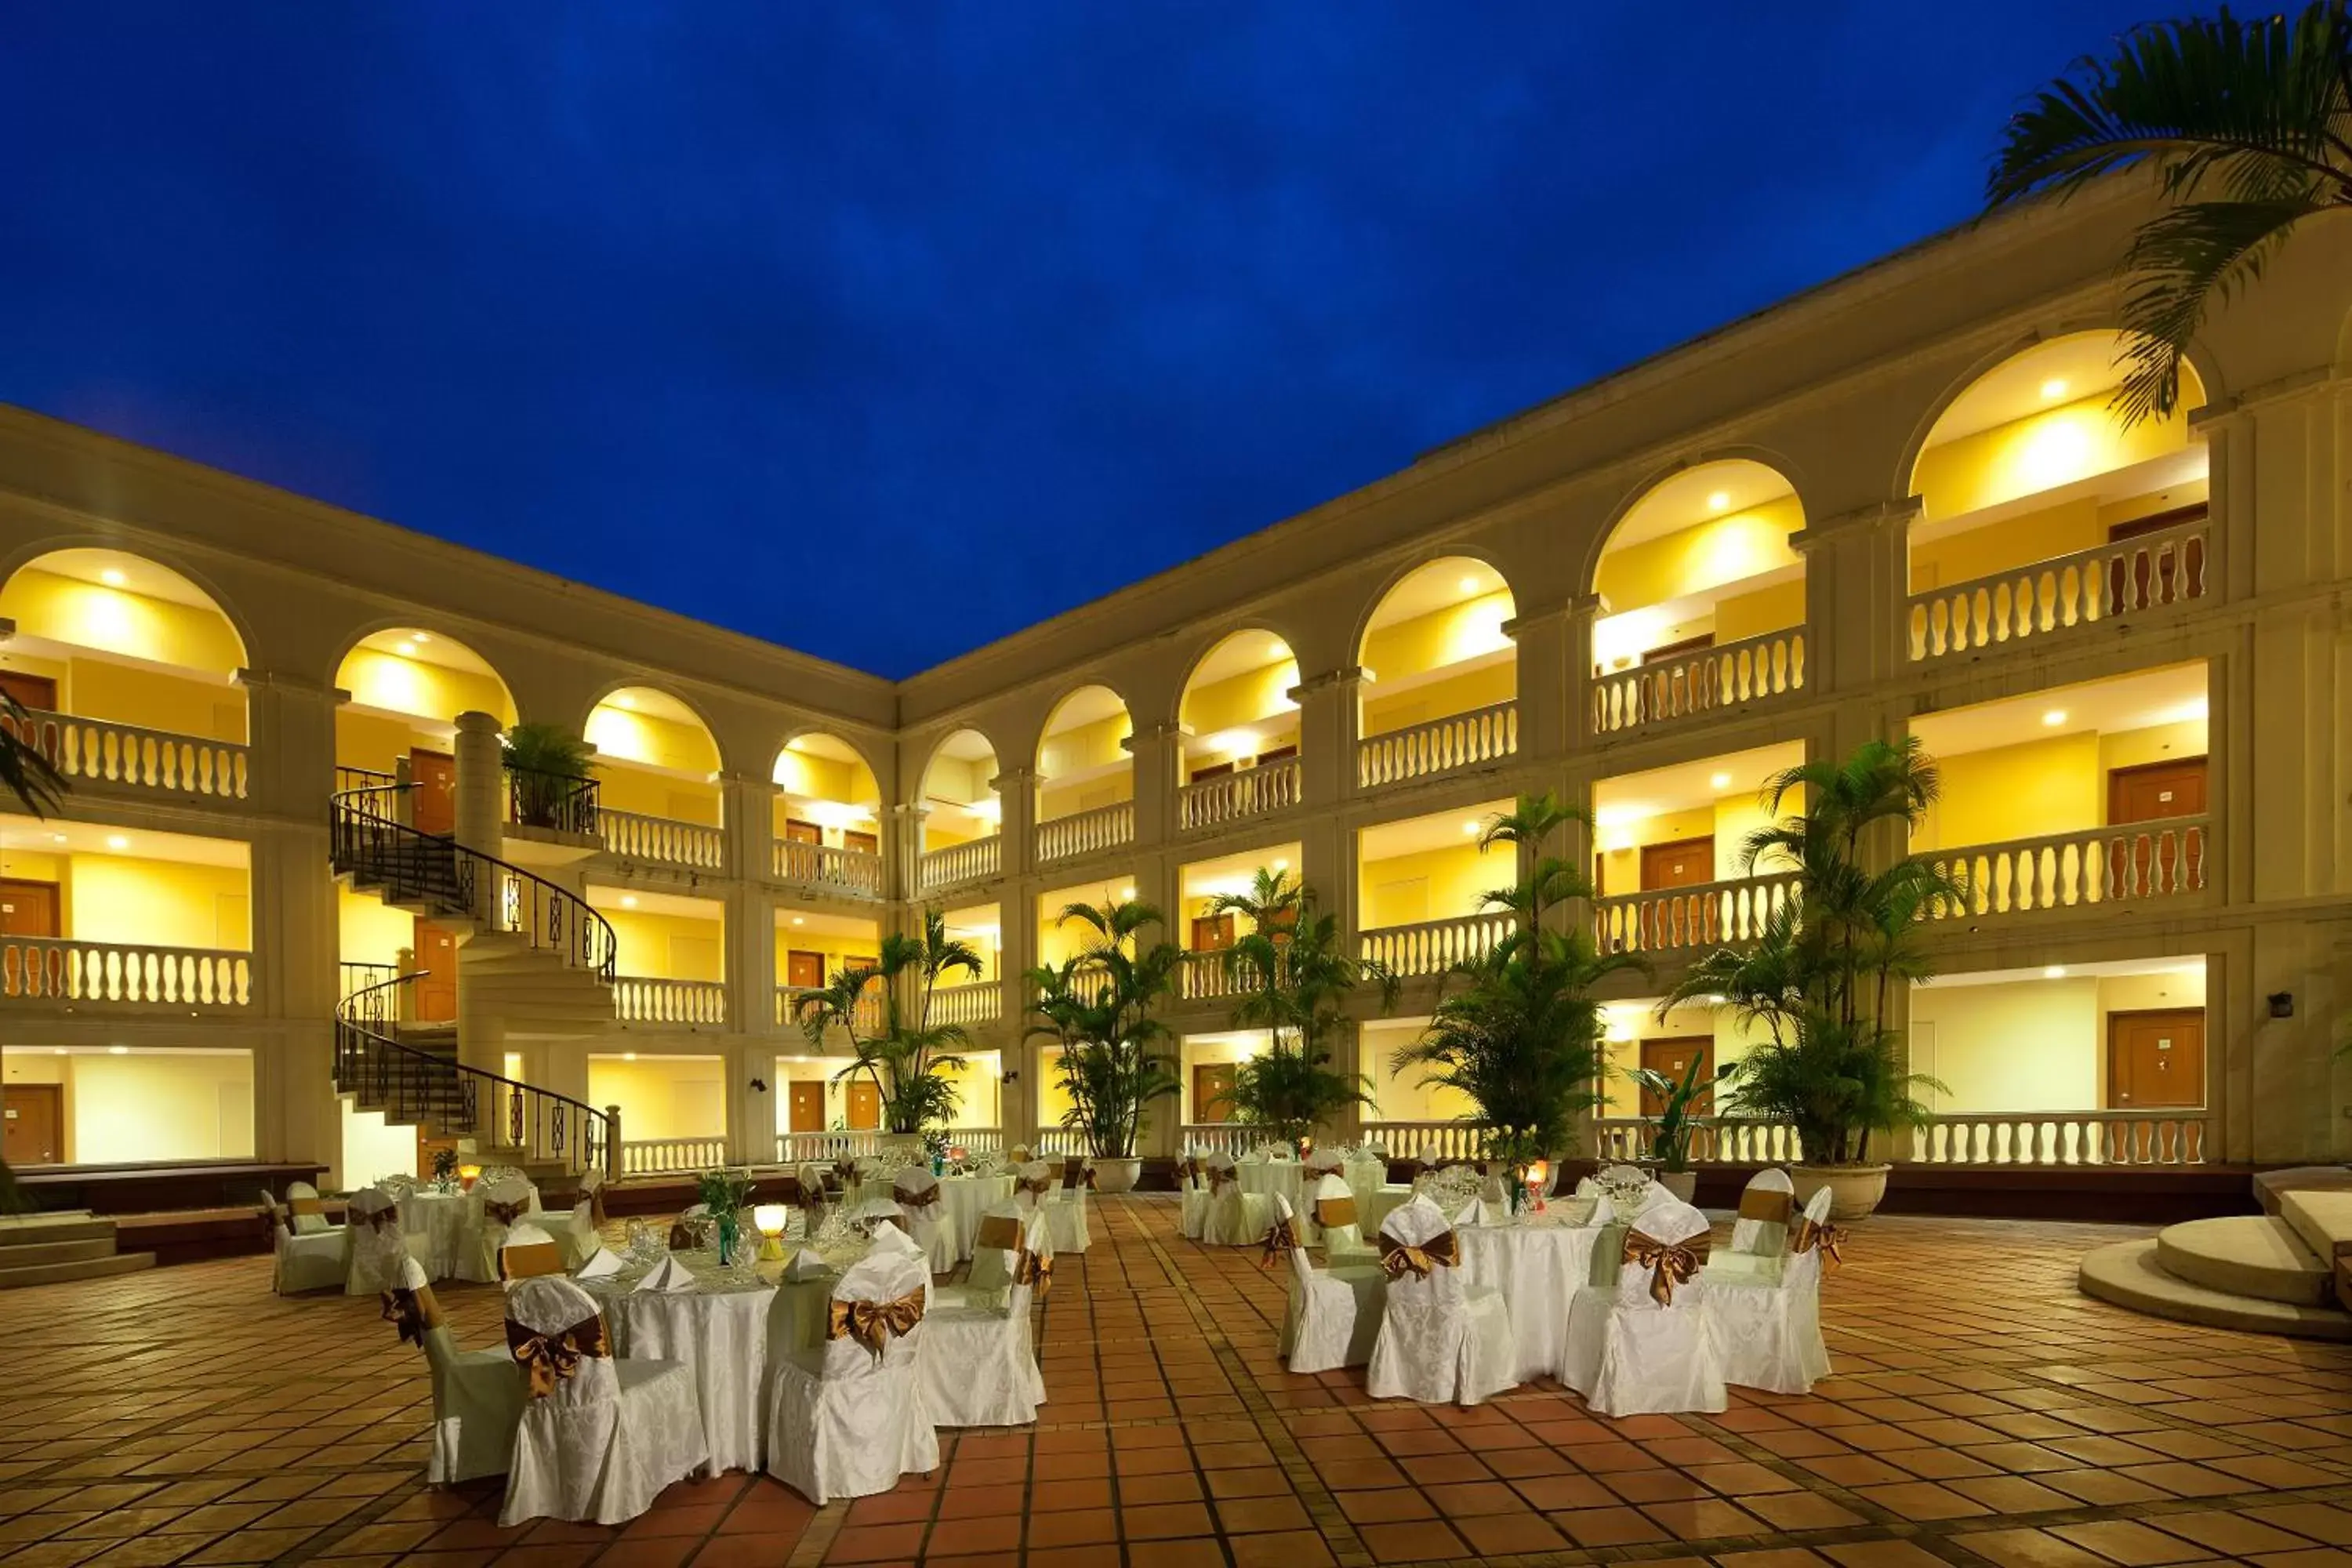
(1282, 865)
(628, 900)
(2054, 389)
(1469, 827)
(2055, 972)
(2055, 717)
(56, 839)
(117, 1050)
(112, 577)
(405, 650)
(1719, 500)
(1469, 584)
(418, 636)
(1126, 892)
(59, 1051)
(622, 700)
(1719, 780)
(117, 841)
(628, 1055)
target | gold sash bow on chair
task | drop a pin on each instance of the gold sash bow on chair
(550, 1358)
(1001, 1231)
(497, 1213)
(875, 1323)
(925, 1199)
(1770, 1208)
(531, 1260)
(1333, 1212)
(1076, 1176)
(415, 1312)
(1670, 1263)
(1029, 1268)
(1220, 1178)
(1038, 1188)
(1186, 1171)
(377, 1221)
(845, 1171)
(1440, 1251)
(307, 1208)
(1828, 1237)
(1281, 1241)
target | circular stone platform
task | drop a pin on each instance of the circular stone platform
(2245, 1254)
(2128, 1275)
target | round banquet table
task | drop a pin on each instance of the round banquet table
(719, 1327)
(440, 1218)
(1536, 1262)
(1382, 1201)
(1286, 1177)
(962, 1201)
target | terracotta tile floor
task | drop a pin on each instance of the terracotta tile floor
(1982, 1413)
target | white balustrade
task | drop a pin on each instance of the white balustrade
(823, 1148)
(1086, 832)
(1419, 1140)
(1235, 796)
(1715, 1140)
(671, 1156)
(830, 867)
(1207, 975)
(124, 974)
(960, 863)
(1439, 746)
(665, 840)
(1235, 1138)
(2162, 859)
(981, 1002)
(99, 753)
(868, 1017)
(1704, 914)
(1433, 947)
(1703, 681)
(2058, 1138)
(1059, 1141)
(639, 1000)
(2155, 570)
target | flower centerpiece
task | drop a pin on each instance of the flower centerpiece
(722, 1194)
(444, 1168)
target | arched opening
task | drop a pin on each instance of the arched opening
(1086, 776)
(960, 809)
(1441, 676)
(406, 689)
(1240, 746)
(2041, 510)
(655, 759)
(106, 636)
(1700, 561)
(828, 815)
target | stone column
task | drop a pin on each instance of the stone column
(480, 826)
(750, 920)
(1857, 596)
(1577, 679)
(1154, 751)
(1548, 647)
(1017, 797)
(902, 872)
(1328, 722)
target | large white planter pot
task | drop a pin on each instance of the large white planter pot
(1116, 1176)
(1854, 1190)
(1684, 1184)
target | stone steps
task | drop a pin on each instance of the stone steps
(2128, 1275)
(49, 1249)
(2245, 1254)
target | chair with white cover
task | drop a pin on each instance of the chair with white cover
(315, 1259)
(600, 1438)
(1439, 1340)
(809, 1195)
(916, 1192)
(527, 1252)
(1234, 1219)
(477, 1395)
(1641, 1345)
(574, 1229)
(496, 1208)
(1759, 1236)
(847, 1419)
(1033, 1181)
(1767, 1333)
(1341, 1221)
(977, 1366)
(1066, 1206)
(1192, 1199)
(377, 1249)
(1335, 1313)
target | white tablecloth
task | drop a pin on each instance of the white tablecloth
(719, 1328)
(963, 1200)
(440, 1219)
(1376, 1206)
(1537, 1265)
(1286, 1177)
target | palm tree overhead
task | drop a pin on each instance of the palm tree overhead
(2248, 127)
(26, 771)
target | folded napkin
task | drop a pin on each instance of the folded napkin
(603, 1265)
(670, 1274)
(1480, 1211)
(806, 1263)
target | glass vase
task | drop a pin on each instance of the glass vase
(727, 1241)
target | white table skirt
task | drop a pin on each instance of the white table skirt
(1536, 1268)
(1376, 1206)
(721, 1331)
(1288, 1177)
(963, 1200)
(441, 1219)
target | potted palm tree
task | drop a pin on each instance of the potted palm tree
(1100, 1007)
(1517, 1029)
(898, 1047)
(1821, 979)
(549, 773)
(1295, 983)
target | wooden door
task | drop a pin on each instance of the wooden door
(804, 970)
(2155, 790)
(433, 803)
(1210, 771)
(1672, 1057)
(2155, 523)
(1680, 864)
(1211, 1082)
(807, 1106)
(799, 832)
(436, 954)
(865, 1106)
(866, 843)
(34, 1118)
(37, 692)
(29, 907)
(2155, 1059)
(1212, 933)
(1678, 922)
(1666, 651)
(1279, 754)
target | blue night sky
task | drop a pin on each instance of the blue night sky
(882, 329)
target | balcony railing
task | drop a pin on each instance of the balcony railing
(1440, 746)
(981, 1002)
(1205, 976)
(855, 871)
(2098, 866)
(1716, 1141)
(1705, 681)
(553, 801)
(671, 1156)
(972, 861)
(1409, 1140)
(123, 974)
(2155, 570)
(2038, 1139)
(794, 1149)
(1086, 832)
(1705, 914)
(663, 840)
(1235, 796)
(694, 1003)
(98, 753)
(1236, 1138)
(1433, 947)
(869, 1015)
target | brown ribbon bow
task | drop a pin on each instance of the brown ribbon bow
(1220, 1177)
(413, 1312)
(1442, 1250)
(1828, 1237)
(498, 1212)
(1078, 1175)
(1769, 1208)
(875, 1323)
(1333, 1212)
(845, 1171)
(1029, 1268)
(1670, 1263)
(377, 1221)
(1281, 1241)
(1041, 1186)
(1186, 1170)
(923, 1200)
(550, 1358)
